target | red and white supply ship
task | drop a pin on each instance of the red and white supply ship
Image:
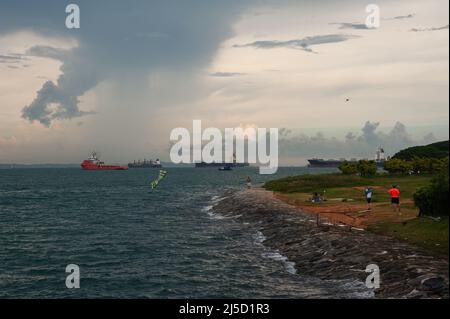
(94, 164)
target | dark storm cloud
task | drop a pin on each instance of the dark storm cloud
(445, 27)
(116, 38)
(302, 44)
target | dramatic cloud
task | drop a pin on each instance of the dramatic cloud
(112, 43)
(302, 44)
(429, 29)
(53, 102)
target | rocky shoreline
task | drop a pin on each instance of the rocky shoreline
(333, 252)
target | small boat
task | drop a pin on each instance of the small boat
(94, 164)
(225, 168)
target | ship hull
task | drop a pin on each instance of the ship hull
(88, 166)
(104, 168)
(208, 165)
(144, 165)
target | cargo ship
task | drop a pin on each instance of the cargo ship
(232, 164)
(320, 162)
(145, 164)
(94, 164)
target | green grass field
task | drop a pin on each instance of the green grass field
(349, 186)
(349, 190)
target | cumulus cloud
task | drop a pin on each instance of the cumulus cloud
(302, 44)
(445, 27)
(362, 145)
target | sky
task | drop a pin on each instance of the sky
(135, 70)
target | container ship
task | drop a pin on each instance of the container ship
(145, 164)
(94, 164)
(320, 162)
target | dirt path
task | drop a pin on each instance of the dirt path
(352, 214)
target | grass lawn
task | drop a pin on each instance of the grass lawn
(345, 197)
(424, 232)
(348, 186)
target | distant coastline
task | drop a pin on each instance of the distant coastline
(20, 166)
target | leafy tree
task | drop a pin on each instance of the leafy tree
(429, 165)
(348, 168)
(398, 166)
(366, 168)
(435, 150)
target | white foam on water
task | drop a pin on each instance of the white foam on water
(358, 288)
(207, 208)
(259, 237)
(216, 199)
(215, 216)
(289, 266)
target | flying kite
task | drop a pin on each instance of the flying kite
(162, 174)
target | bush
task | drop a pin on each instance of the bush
(434, 199)
(348, 168)
(398, 166)
(366, 168)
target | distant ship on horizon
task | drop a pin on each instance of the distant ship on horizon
(320, 162)
(145, 164)
(234, 163)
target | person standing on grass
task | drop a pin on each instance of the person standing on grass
(395, 198)
(369, 193)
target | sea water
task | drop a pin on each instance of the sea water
(130, 241)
